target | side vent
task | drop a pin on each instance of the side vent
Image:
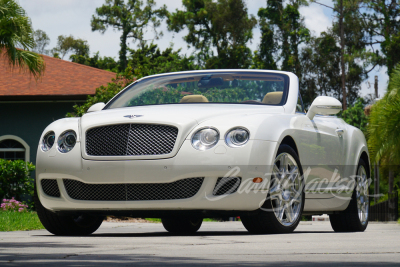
(226, 185)
(50, 187)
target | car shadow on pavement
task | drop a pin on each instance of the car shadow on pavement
(200, 233)
(109, 259)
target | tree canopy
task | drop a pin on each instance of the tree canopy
(68, 44)
(150, 60)
(130, 17)
(42, 40)
(223, 27)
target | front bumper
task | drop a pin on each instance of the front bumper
(252, 160)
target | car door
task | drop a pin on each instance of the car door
(322, 153)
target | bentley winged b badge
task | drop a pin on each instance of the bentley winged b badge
(133, 116)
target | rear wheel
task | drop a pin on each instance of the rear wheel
(66, 225)
(182, 225)
(281, 212)
(355, 217)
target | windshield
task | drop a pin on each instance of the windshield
(236, 87)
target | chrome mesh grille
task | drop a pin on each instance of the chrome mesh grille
(50, 187)
(130, 140)
(226, 185)
(180, 189)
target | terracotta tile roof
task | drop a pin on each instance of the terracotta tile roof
(61, 78)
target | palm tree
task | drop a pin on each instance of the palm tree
(16, 39)
(384, 127)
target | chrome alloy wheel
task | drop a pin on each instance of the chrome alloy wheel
(362, 196)
(286, 189)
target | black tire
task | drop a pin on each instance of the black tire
(66, 225)
(182, 225)
(265, 221)
(348, 220)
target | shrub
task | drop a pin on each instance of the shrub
(104, 93)
(13, 205)
(15, 180)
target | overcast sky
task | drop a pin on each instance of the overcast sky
(73, 17)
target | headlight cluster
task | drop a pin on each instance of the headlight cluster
(65, 143)
(207, 138)
(237, 137)
(48, 141)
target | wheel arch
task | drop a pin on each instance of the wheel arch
(364, 156)
(288, 140)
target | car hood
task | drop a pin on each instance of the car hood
(183, 116)
(180, 112)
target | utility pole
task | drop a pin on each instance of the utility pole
(340, 11)
(342, 65)
(376, 166)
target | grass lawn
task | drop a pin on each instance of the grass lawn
(157, 220)
(19, 221)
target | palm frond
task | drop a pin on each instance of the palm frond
(384, 125)
(16, 39)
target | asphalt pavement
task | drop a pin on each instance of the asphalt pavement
(216, 243)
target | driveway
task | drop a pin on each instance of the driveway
(224, 243)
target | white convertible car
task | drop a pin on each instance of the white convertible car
(215, 143)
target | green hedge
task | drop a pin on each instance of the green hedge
(15, 180)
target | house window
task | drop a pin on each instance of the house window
(13, 148)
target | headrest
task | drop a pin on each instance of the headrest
(273, 98)
(193, 99)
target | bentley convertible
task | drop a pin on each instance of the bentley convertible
(204, 144)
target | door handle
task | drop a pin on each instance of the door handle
(340, 132)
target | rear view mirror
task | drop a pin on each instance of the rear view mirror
(324, 105)
(208, 82)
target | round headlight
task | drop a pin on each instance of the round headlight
(66, 141)
(237, 137)
(48, 141)
(205, 138)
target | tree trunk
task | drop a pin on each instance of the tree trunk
(122, 52)
(392, 202)
(391, 181)
(376, 184)
(342, 65)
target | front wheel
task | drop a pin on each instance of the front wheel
(182, 225)
(355, 217)
(281, 212)
(66, 225)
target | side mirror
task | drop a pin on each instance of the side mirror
(96, 107)
(324, 105)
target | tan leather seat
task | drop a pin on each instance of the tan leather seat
(193, 99)
(273, 98)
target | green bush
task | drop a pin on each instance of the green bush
(15, 180)
(355, 116)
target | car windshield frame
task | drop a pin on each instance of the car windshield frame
(140, 86)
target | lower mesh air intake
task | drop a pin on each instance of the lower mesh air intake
(50, 187)
(226, 185)
(180, 189)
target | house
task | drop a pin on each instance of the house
(28, 106)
